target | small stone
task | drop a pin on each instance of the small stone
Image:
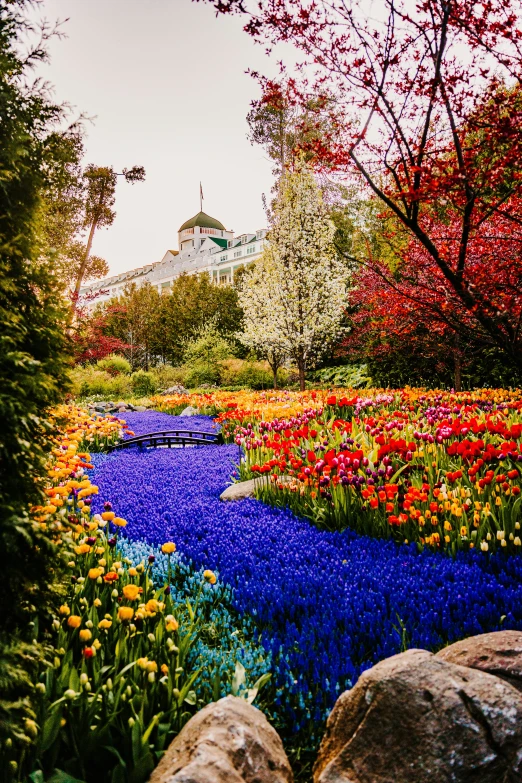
(189, 411)
(248, 489)
(228, 741)
(140, 408)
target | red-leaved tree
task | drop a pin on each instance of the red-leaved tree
(426, 107)
(89, 337)
(414, 310)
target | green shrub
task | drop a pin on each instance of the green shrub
(143, 383)
(166, 376)
(349, 376)
(250, 374)
(33, 374)
(200, 374)
(208, 348)
(89, 381)
(114, 365)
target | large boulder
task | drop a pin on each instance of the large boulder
(498, 653)
(228, 741)
(414, 718)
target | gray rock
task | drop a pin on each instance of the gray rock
(175, 390)
(414, 718)
(228, 741)
(248, 489)
(498, 653)
(140, 408)
(189, 411)
(240, 490)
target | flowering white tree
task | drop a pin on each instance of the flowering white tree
(294, 296)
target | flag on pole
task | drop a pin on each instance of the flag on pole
(200, 198)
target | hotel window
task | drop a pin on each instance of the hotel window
(238, 253)
(187, 231)
(208, 231)
(251, 249)
(243, 239)
(223, 258)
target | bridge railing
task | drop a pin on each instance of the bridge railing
(169, 439)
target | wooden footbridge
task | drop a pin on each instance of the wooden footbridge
(169, 439)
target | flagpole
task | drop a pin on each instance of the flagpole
(200, 198)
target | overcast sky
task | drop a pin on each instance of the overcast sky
(165, 83)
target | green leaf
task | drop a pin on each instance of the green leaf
(261, 682)
(74, 680)
(184, 691)
(216, 686)
(142, 768)
(252, 692)
(154, 722)
(59, 776)
(137, 748)
(398, 473)
(118, 774)
(238, 679)
(51, 729)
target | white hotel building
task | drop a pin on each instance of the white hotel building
(204, 246)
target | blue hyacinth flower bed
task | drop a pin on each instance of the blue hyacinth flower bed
(326, 606)
(143, 422)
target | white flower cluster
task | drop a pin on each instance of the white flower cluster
(294, 296)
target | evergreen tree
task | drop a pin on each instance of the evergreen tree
(32, 367)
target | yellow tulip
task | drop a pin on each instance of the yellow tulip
(131, 592)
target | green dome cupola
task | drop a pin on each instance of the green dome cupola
(202, 220)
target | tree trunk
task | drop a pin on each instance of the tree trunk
(81, 271)
(458, 371)
(274, 372)
(301, 367)
(83, 265)
(457, 365)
